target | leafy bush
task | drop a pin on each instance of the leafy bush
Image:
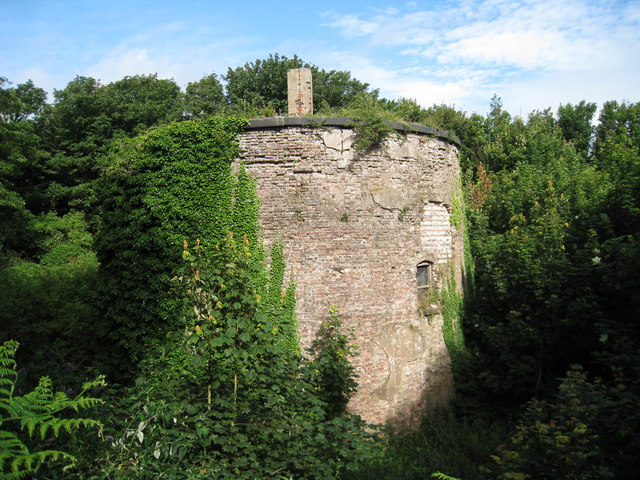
(50, 310)
(37, 415)
(370, 121)
(226, 399)
(585, 432)
(172, 183)
(332, 372)
(64, 238)
(445, 441)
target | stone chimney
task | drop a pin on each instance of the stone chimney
(300, 89)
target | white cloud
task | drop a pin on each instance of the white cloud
(527, 50)
(399, 83)
(534, 50)
(122, 62)
(184, 54)
(352, 26)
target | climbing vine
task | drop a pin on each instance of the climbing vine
(172, 184)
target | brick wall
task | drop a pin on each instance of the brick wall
(354, 229)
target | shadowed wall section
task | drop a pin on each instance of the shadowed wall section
(355, 229)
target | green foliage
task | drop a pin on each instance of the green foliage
(332, 372)
(444, 441)
(62, 239)
(14, 224)
(370, 121)
(134, 104)
(528, 225)
(545, 220)
(78, 130)
(570, 437)
(407, 109)
(228, 400)
(74, 131)
(34, 418)
(172, 183)
(576, 124)
(50, 310)
(203, 98)
(263, 83)
(278, 299)
(21, 102)
(442, 476)
(452, 315)
(617, 150)
(20, 165)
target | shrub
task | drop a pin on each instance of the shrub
(50, 310)
(571, 436)
(227, 399)
(332, 372)
(172, 183)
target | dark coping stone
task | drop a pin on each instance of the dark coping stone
(275, 122)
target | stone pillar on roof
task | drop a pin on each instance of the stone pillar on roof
(300, 92)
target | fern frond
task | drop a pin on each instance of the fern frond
(84, 403)
(33, 411)
(10, 444)
(42, 396)
(442, 476)
(8, 350)
(15, 475)
(19, 407)
(54, 425)
(32, 461)
(5, 404)
(5, 392)
(5, 376)
(97, 382)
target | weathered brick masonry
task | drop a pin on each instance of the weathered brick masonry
(355, 227)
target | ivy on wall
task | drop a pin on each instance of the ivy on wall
(172, 184)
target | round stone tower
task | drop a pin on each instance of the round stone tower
(372, 235)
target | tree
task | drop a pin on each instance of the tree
(75, 132)
(575, 121)
(263, 83)
(530, 236)
(137, 103)
(20, 103)
(204, 97)
(336, 88)
(78, 130)
(21, 168)
(617, 152)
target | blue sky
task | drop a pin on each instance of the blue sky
(534, 54)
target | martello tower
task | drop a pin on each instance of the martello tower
(371, 234)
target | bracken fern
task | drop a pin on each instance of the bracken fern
(35, 414)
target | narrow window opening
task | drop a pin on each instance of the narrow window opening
(424, 273)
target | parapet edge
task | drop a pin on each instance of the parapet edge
(280, 121)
